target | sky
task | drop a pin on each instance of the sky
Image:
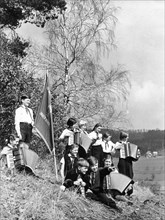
(139, 36)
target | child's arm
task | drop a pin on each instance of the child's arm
(113, 150)
(118, 146)
(62, 168)
(105, 171)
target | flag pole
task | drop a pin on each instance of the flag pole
(55, 163)
(54, 152)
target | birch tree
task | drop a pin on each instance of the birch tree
(77, 42)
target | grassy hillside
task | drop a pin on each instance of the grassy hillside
(24, 197)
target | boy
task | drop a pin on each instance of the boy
(77, 178)
(96, 176)
(24, 120)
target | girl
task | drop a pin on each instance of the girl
(82, 129)
(67, 136)
(107, 183)
(108, 146)
(69, 160)
(125, 165)
(107, 179)
(96, 149)
(7, 153)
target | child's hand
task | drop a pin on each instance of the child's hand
(62, 188)
(77, 182)
(83, 183)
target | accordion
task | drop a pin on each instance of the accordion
(25, 158)
(77, 138)
(19, 161)
(120, 182)
(131, 150)
(10, 159)
(30, 159)
(82, 139)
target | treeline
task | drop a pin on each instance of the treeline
(147, 140)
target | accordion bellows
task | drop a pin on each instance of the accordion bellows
(119, 181)
(131, 150)
(26, 157)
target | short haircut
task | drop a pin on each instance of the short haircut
(10, 138)
(107, 156)
(25, 97)
(81, 123)
(82, 163)
(96, 126)
(72, 146)
(71, 122)
(92, 160)
(123, 135)
(106, 135)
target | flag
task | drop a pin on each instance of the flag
(44, 122)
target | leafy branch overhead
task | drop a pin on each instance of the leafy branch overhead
(13, 12)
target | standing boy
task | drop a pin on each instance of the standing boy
(24, 120)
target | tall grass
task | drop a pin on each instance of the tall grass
(25, 197)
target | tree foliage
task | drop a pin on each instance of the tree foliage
(13, 12)
(14, 81)
(78, 39)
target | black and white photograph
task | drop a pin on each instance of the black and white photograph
(82, 110)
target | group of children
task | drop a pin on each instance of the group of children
(88, 170)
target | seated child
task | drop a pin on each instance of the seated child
(107, 179)
(107, 183)
(7, 153)
(96, 176)
(77, 178)
(69, 160)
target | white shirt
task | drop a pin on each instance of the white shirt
(67, 134)
(108, 147)
(94, 136)
(6, 149)
(23, 115)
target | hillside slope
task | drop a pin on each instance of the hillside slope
(25, 197)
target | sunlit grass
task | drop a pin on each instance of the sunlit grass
(25, 197)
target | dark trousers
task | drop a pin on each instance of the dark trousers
(81, 152)
(102, 197)
(26, 132)
(97, 151)
(125, 167)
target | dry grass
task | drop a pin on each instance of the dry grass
(24, 197)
